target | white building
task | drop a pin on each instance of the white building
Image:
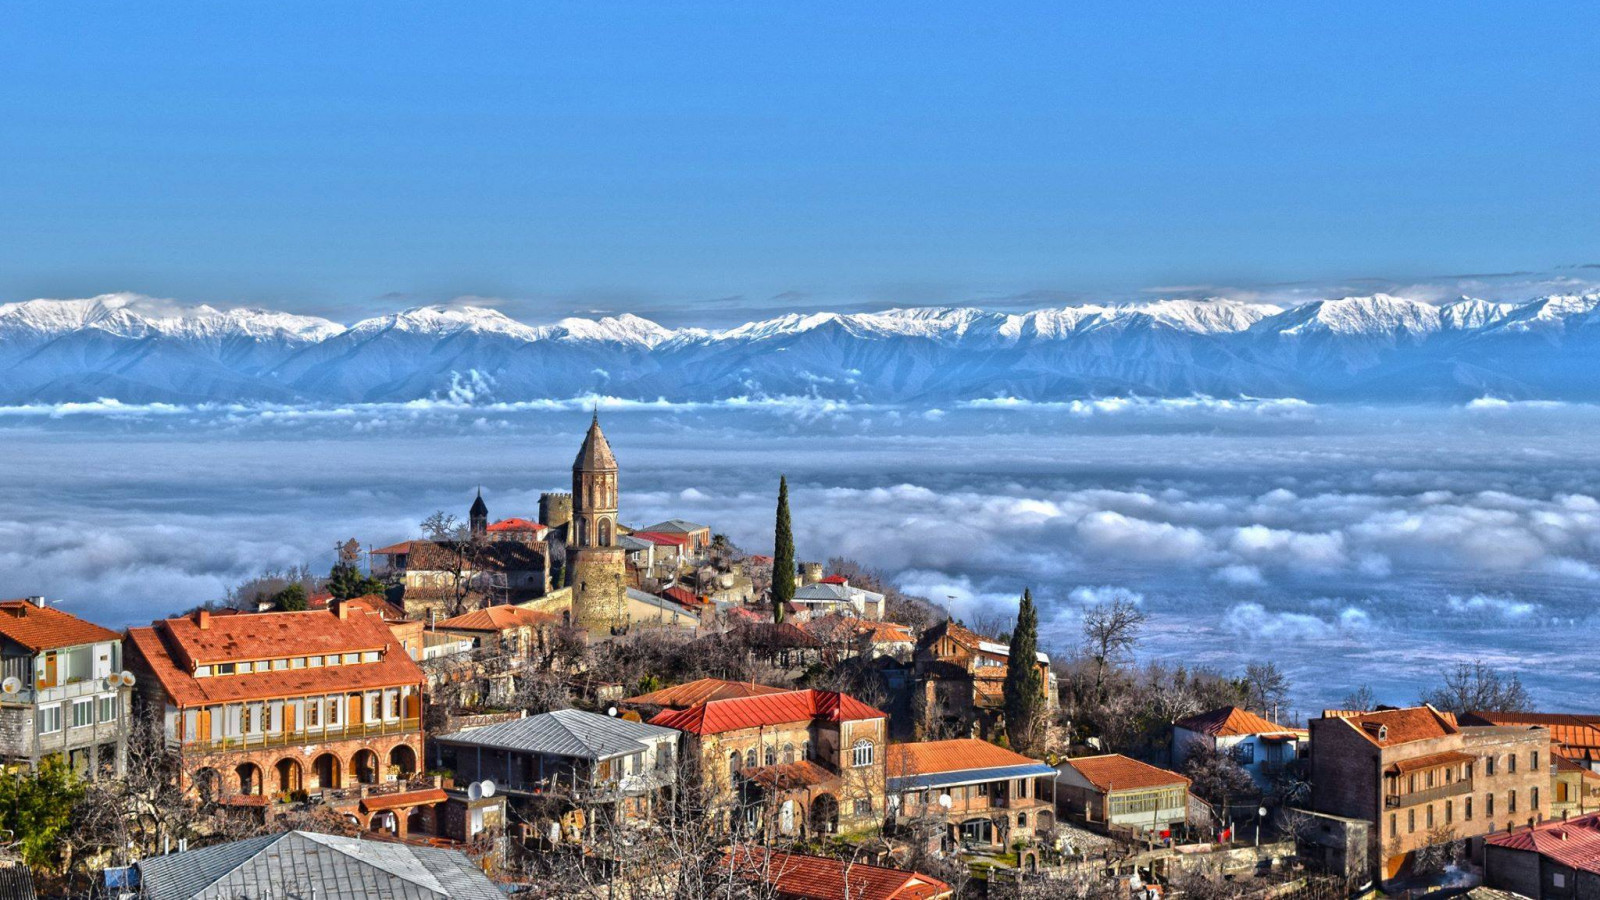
(835, 595)
(1261, 747)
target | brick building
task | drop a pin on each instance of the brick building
(995, 796)
(267, 708)
(959, 676)
(795, 763)
(1559, 860)
(1117, 792)
(1420, 778)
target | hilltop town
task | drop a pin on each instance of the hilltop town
(564, 703)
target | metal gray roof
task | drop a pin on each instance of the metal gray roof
(629, 542)
(565, 732)
(966, 776)
(839, 593)
(676, 526)
(661, 603)
(304, 864)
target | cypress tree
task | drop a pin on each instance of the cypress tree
(1023, 691)
(783, 567)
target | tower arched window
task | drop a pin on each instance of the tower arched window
(861, 753)
(734, 761)
(772, 755)
(583, 532)
(605, 532)
(788, 753)
(750, 757)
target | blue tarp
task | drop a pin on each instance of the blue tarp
(904, 783)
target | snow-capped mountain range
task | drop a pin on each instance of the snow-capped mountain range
(1377, 348)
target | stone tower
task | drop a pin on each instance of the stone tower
(555, 510)
(478, 516)
(597, 563)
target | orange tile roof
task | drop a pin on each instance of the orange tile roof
(719, 716)
(516, 524)
(836, 626)
(393, 549)
(46, 628)
(1431, 761)
(1115, 772)
(1573, 842)
(797, 877)
(683, 696)
(790, 776)
(497, 618)
(958, 755)
(1401, 726)
(1231, 721)
(171, 647)
(1568, 730)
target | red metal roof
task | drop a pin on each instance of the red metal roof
(798, 877)
(836, 579)
(718, 716)
(701, 690)
(660, 537)
(1574, 842)
(45, 628)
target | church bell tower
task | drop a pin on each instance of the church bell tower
(597, 563)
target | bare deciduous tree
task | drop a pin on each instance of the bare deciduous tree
(1111, 631)
(1477, 686)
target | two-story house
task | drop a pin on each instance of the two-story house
(976, 792)
(560, 768)
(1420, 778)
(958, 679)
(1261, 747)
(261, 708)
(796, 763)
(1121, 793)
(62, 689)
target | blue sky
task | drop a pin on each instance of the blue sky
(700, 159)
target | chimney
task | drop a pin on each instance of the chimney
(37, 601)
(341, 608)
(202, 619)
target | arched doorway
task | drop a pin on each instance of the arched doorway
(1044, 820)
(327, 769)
(824, 814)
(386, 821)
(289, 776)
(208, 784)
(402, 757)
(365, 764)
(248, 779)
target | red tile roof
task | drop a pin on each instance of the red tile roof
(516, 524)
(682, 596)
(1430, 761)
(841, 627)
(497, 618)
(1401, 726)
(683, 696)
(1115, 772)
(172, 647)
(790, 776)
(719, 716)
(797, 877)
(393, 549)
(958, 755)
(1231, 721)
(1568, 730)
(835, 579)
(46, 628)
(1574, 842)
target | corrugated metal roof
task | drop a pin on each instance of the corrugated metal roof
(303, 863)
(968, 776)
(565, 732)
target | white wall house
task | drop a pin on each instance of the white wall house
(1261, 747)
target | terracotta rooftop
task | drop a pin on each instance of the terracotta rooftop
(1115, 772)
(1573, 842)
(797, 877)
(835, 579)
(1390, 727)
(516, 524)
(790, 776)
(1570, 731)
(1231, 721)
(718, 716)
(836, 627)
(46, 628)
(958, 755)
(497, 618)
(1431, 761)
(172, 647)
(683, 696)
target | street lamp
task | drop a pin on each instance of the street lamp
(1261, 815)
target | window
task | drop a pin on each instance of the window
(245, 718)
(314, 662)
(1533, 798)
(394, 703)
(1411, 784)
(314, 712)
(335, 710)
(750, 758)
(332, 659)
(1533, 761)
(863, 806)
(82, 713)
(805, 749)
(771, 755)
(1511, 763)
(1511, 800)
(1466, 809)
(369, 656)
(1430, 815)
(1022, 820)
(1488, 805)
(299, 662)
(1411, 820)
(734, 761)
(861, 753)
(108, 709)
(1244, 754)
(49, 719)
(1488, 767)
(202, 671)
(1394, 824)
(1449, 812)
(225, 668)
(1022, 788)
(374, 706)
(244, 668)
(279, 665)
(983, 789)
(788, 753)
(351, 659)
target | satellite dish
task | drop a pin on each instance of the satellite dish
(612, 712)
(475, 791)
(11, 685)
(127, 678)
(487, 788)
(944, 801)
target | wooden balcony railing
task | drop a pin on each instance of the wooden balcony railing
(1456, 789)
(297, 738)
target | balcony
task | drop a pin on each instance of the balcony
(1397, 801)
(298, 738)
(72, 690)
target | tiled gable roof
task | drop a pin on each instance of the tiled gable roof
(1568, 730)
(1115, 772)
(1389, 727)
(718, 716)
(46, 628)
(1231, 721)
(958, 755)
(800, 877)
(683, 696)
(1574, 842)
(516, 524)
(497, 618)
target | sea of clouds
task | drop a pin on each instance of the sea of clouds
(1349, 544)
